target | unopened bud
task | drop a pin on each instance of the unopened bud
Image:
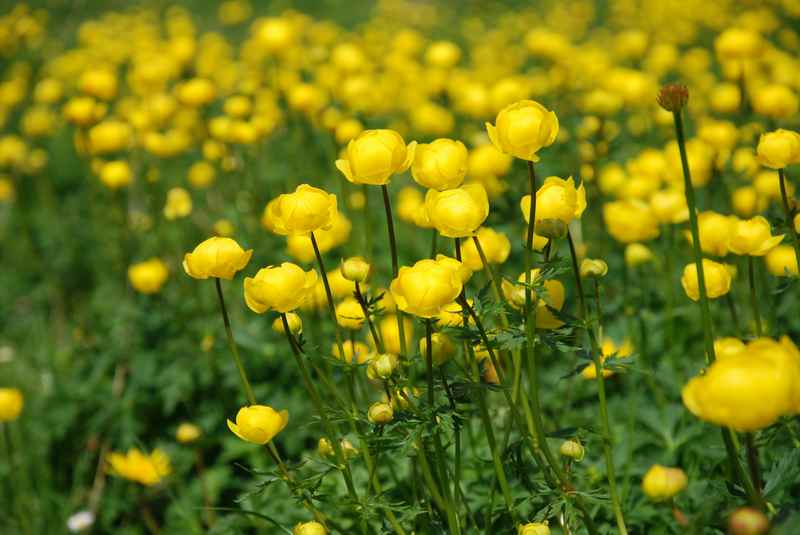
(593, 269)
(380, 413)
(534, 528)
(551, 228)
(294, 321)
(673, 97)
(309, 528)
(441, 348)
(572, 449)
(355, 269)
(748, 521)
(382, 366)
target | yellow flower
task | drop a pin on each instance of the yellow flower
(495, 245)
(216, 257)
(201, 174)
(738, 44)
(139, 467)
(354, 353)
(391, 335)
(11, 402)
(662, 483)
(109, 136)
(752, 237)
(637, 254)
(607, 349)
(116, 174)
(669, 206)
(306, 210)
(553, 298)
(294, 321)
(280, 288)
(572, 449)
(593, 268)
(179, 204)
(274, 34)
(523, 128)
(187, 432)
(750, 389)
(728, 347)
(717, 278)
(486, 161)
(630, 221)
(196, 92)
(778, 149)
(440, 165)
(309, 528)
(258, 423)
(382, 366)
(300, 246)
(349, 314)
(99, 82)
(781, 261)
(149, 276)
(746, 202)
(374, 156)
(428, 286)
(380, 413)
(83, 111)
(6, 189)
(442, 347)
(409, 201)
(534, 528)
(355, 269)
(775, 101)
(457, 213)
(715, 230)
(556, 200)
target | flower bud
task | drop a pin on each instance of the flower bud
(374, 156)
(717, 278)
(441, 348)
(355, 269)
(637, 253)
(523, 128)
(380, 413)
(552, 229)
(457, 213)
(382, 366)
(294, 321)
(748, 521)
(440, 165)
(258, 423)
(593, 268)
(781, 261)
(534, 528)
(662, 483)
(149, 276)
(673, 97)
(306, 210)
(187, 432)
(11, 402)
(324, 447)
(216, 257)
(280, 288)
(349, 314)
(309, 528)
(778, 149)
(572, 449)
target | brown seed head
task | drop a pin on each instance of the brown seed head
(673, 97)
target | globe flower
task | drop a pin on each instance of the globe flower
(374, 156)
(390, 335)
(637, 254)
(300, 247)
(294, 321)
(662, 483)
(83, 111)
(495, 245)
(736, 44)
(607, 349)
(572, 449)
(778, 149)
(428, 286)
(149, 276)
(382, 366)
(140, 467)
(782, 261)
(486, 161)
(258, 423)
(109, 136)
(669, 206)
(306, 210)
(523, 128)
(349, 314)
(593, 268)
(11, 402)
(442, 348)
(630, 221)
(457, 213)
(409, 201)
(717, 278)
(715, 230)
(752, 237)
(216, 257)
(556, 200)
(775, 101)
(99, 82)
(746, 201)
(178, 205)
(380, 413)
(354, 352)
(187, 433)
(553, 298)
(748, 390)
(281, 288)
(748, 521)
(201, 174)
(728, 347)
(533, 528)
(440, 165)
(116, 174)
(309, 528)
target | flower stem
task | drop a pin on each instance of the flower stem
(751, 279)
(251, 399)
(608, 437)
(752, 460)
(328, 295)
(387, 205)
(365, 309)
(787, 209)
(273, 452)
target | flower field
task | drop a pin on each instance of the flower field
(400, 267)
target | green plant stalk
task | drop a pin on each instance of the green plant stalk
(320, 408)
(751, 279)
(608, 437)
(368, 317)
(539, 436)
(752, 460)
(387, 205)
(328, 295)
(787, 210)
(708, 329)
(251, 398)
(273, 452)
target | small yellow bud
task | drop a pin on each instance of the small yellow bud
(748, 521)
(380, 413)
(309, 528)
(534, 528)
(637, 253)
(661, 483)
(187, 432)
(593, 268)
(324, 447)
(294, 321)
(355, 269)
(382, 366)
(572, 449)
(11, 402)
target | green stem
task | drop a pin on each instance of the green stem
(328, 295)
(251, 398)
(273, 452)
(751, 279)
(608, 437)
(752, 460)
(787, 209)
(387, 205)
(365, 309)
